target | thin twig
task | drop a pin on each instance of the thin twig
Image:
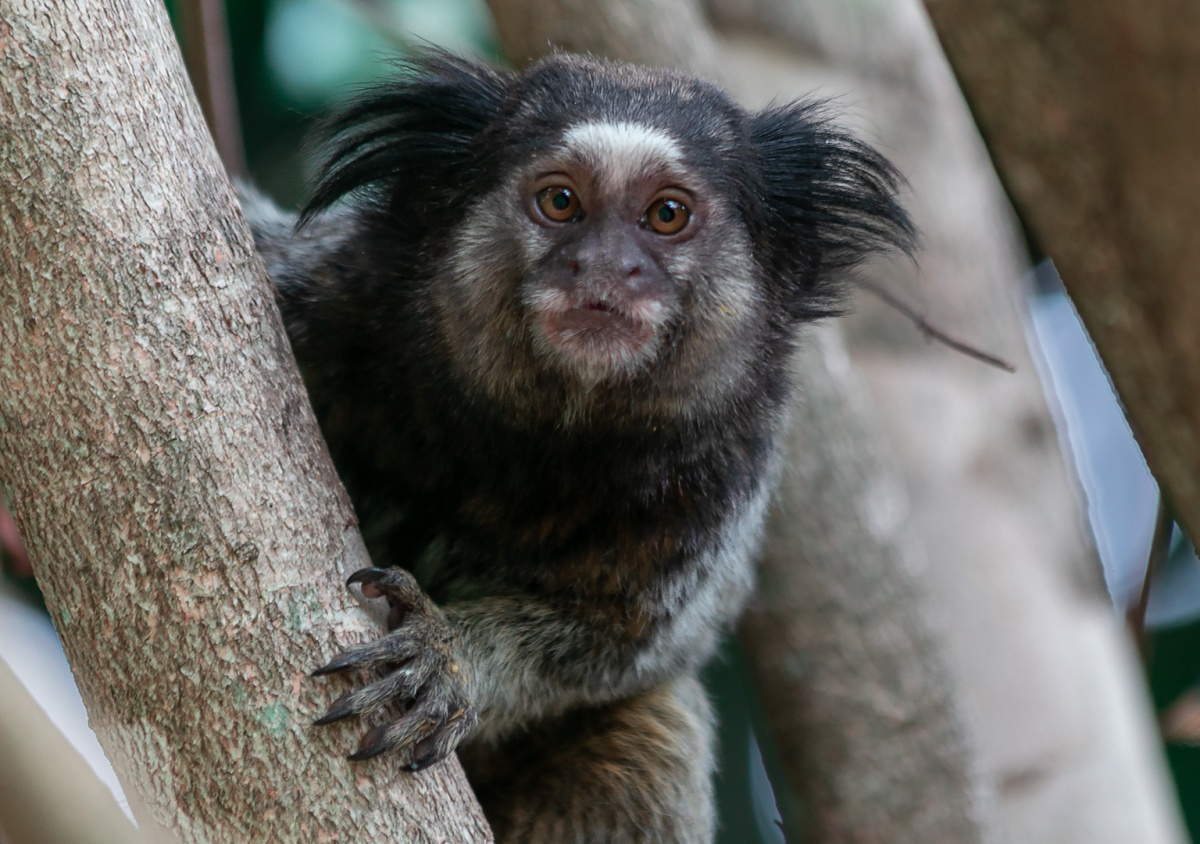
(930, 330)
(1160, 546)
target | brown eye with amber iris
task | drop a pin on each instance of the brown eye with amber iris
(559, 204)
(667, 216)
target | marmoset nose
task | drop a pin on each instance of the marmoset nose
(617, 258)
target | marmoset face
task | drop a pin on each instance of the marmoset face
(595, 240)
(610, 243)
(607, 257)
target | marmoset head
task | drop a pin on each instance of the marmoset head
(608, 229)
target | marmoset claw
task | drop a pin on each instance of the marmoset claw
(423, 676)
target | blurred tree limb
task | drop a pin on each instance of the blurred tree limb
(48, 794)
(1092, 112)
(209, 59)
(1055, 697)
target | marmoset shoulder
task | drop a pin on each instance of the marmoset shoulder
(545, 320)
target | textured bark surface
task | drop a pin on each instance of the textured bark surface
(855, 679)
(1052, 690)
(1092, 111)
(161, 458)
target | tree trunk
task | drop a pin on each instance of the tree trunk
(1092, 111)
(161, 458)
(855, 680)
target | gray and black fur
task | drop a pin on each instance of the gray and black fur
(560, 436)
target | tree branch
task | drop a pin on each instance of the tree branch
(1092, 110)
(853, 678)
(161, 458)
(48, 794)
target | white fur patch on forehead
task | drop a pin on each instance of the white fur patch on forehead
(618, 153)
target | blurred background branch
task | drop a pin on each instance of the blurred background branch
(48, 793)
(1092, 111)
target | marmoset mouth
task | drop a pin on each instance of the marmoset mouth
(598, 333)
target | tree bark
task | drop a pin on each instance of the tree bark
(1092, 111)
(854, 678)
(161, 458)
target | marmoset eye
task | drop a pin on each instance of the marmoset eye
(667, 216)
(558, 203)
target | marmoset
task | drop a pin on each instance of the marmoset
(545, 320)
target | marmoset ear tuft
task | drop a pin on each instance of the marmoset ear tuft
(410, 137)
(831, 202)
